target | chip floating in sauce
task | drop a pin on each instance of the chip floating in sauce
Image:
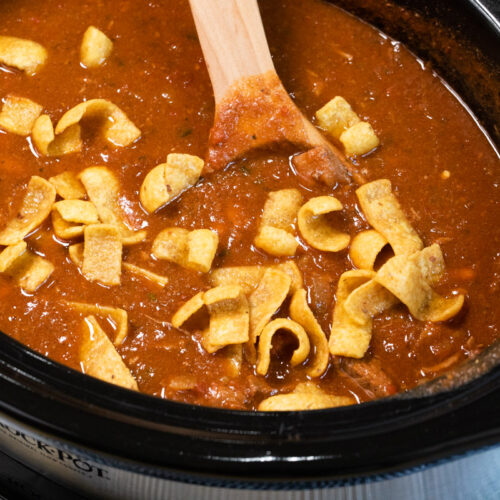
(99, 357)
(18, 115)
(306, 396)
(35, 208)
(168, 180)
(25, 55)
(141, 247)
(96, 47)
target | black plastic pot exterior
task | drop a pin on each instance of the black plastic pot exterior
(98, 431)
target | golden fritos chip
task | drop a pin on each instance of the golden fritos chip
(316, 229)
(65, 230)
(190, 249)
(275, 241)
(188, 309)
(118, 317)
(383, 212)
(96, 47)
(359, 139)
(302, 314)
(229, 317)
(248, 277)
(102, 254)
(68, 186)
(167, 181)
(48, 144)
(336, 116)
(172, 244)
(26, 55)
(202, 246)
(118, 130)
(348, 336)
(77, 211)
(100, 359)
(19, 114)
(266, 339)
(36, 206)
(28, 270)
(266, 299)
(10, 254)
(31, 271)
(275, 234)
(365, 248)
(103, 191)
(306, 396)
(407, 277)
(144, 273)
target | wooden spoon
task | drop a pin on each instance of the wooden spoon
(253, 109)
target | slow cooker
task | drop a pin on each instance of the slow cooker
(65, 435)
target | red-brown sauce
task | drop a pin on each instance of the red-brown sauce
(156, 74)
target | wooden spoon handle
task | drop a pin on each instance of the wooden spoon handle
(233, 41)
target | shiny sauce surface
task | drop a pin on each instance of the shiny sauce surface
(157, 75)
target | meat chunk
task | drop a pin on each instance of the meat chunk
(319, 165)
(370, 376)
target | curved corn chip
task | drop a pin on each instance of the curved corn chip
(267, 298)
(48, 144)
(96, 47)
(407, 277)
(65, 230)
(336, 116)
(348, 337)
(103, 190)
(171, 244)
(229, 318)
(367, 301)
(277, 223)
(359, 139)
(68, 186)
(167, 181)
(306, 396)
(36, 206)
(188, 309)
(118, 316)
(77, 211)
(248, 277)
(266, 339)
(26, 55)
(277, 242)
(190, 249)
(202, 246)
(316, 230)
(76, 254)
(118, 130)
(365, 248)
(383, 212)
(281, 208)
(144, 273)
(302, 314)
(102, 254)
(100, 359)
(28, 270)
(19, 114)
(10, 254)
(31, 271)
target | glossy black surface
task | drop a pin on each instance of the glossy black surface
(202, 444)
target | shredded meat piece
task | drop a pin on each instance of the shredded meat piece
(370, 376)
(318, 165)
